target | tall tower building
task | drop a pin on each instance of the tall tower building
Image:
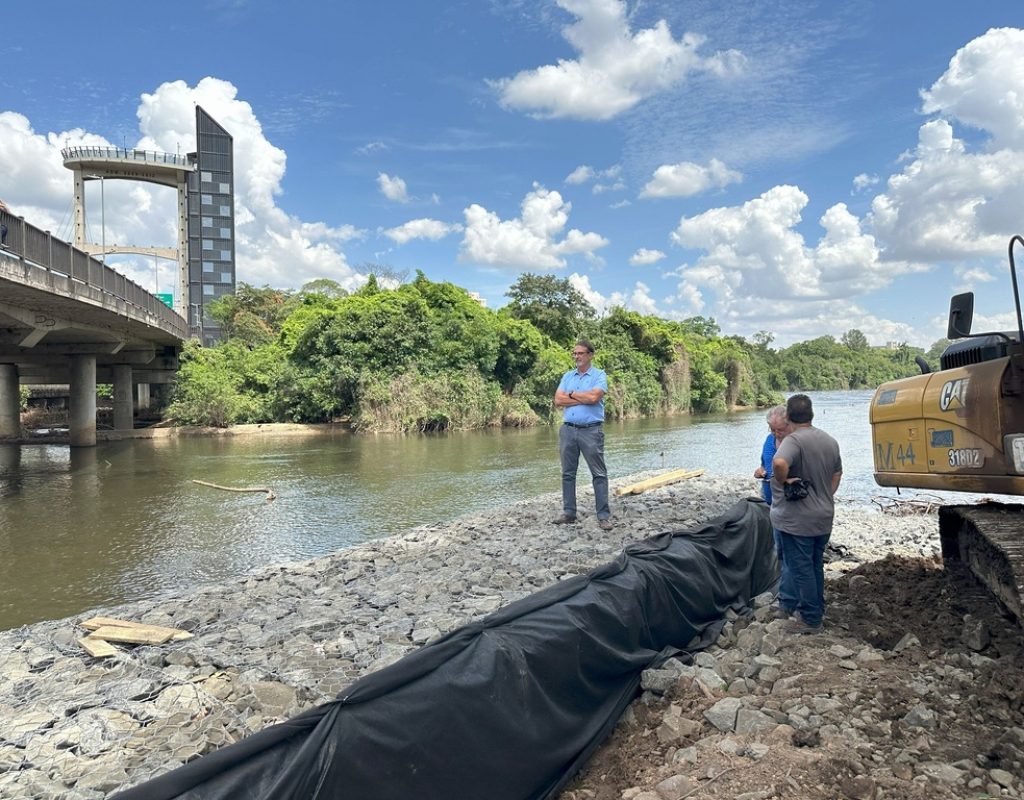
(211, 225)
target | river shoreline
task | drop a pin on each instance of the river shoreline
(187, 431)
(289, 637)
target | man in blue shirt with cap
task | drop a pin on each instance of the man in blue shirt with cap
(581, 393)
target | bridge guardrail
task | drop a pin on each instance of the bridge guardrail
(62, 259)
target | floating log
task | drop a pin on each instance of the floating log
(674, 476)
(269, 491)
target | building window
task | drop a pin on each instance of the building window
(225, 233)
(225, 255)
(207, 222)
(207, 266)
(206, 176)
(207, 290)
(225, 211)
(225, 277)
(225, 188)
(207, 199)
(207, 244)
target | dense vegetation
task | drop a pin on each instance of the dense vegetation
(427, 356)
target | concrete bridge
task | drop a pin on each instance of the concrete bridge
(65, 317)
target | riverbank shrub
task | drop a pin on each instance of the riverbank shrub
(423, 356)
(451, 400)
(204, 393)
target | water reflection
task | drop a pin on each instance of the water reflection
(97, 526)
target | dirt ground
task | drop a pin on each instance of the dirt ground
(978, 705)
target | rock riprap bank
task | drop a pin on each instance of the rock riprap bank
(290, 637)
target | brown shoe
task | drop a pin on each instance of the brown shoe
(781, 613)
(798, 627)
(565, 519)
(604, 524)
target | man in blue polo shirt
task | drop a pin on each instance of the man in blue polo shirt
(581, 393)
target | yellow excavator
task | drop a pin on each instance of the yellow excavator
(961, 429)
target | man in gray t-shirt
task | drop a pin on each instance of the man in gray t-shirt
(805, 524)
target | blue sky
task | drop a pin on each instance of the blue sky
(793, 167)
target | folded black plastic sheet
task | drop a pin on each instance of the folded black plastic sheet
(511, 706)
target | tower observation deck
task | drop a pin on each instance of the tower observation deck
(165, 169)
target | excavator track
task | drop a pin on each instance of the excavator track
(989, 540)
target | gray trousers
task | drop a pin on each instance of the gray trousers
(590, 442)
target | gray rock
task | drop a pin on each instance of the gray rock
(762, 600)
(723, 713)
(659, 681)
(272, 698)
(975, 633)
(675, 727)
(920, 716)
(676, 788)
(711, 679)
(684, 756)
(706, 660)
(756, 750)
(1002, 777)
(749, 720)
(943, 773)
(908, 641)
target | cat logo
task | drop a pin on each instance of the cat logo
(954, 394)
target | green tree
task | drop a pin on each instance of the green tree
(252, 315)
(934, 354)
(324, 286)
(554, 306)
(855, 340)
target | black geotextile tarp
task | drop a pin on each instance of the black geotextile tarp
(511, 706)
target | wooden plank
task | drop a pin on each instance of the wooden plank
(658, 481)
(94, 623)
(133, 635)
(97, 648)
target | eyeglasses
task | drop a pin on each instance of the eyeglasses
(581, 352)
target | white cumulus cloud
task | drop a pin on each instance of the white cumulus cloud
(581, 174)
(686, 179)
(754, 250)
(643, 257)
(864, 181)
(615, 69)
(984, 87)
(951, 203)
(530, 241)
(431, 229)
(392, 187)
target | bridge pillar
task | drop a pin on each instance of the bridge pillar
(124, 417)
(143, 396)
(10, 402)
(83, 401)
